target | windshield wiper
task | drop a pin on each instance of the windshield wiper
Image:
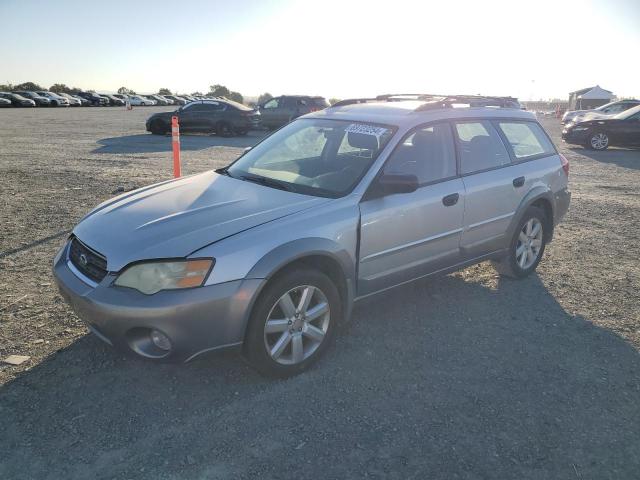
(267, 182)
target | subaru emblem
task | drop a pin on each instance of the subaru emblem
(83, 260)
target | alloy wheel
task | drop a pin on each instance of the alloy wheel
(297, 325)
(529, 243)
(599, 141)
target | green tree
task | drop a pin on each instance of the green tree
(125, 91)
(333, 100)
(29, 86)
(196, 94)
(265, 97)
(60, 88)
(236, 97)
(218, 91)
(7, 87)
(164, 91)
(222, 91)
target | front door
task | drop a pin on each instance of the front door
(404, 236)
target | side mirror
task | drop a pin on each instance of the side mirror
(398, 183)
(247, 149)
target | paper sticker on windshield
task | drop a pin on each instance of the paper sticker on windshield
(366, 129)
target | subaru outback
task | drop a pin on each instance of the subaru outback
(269, 254)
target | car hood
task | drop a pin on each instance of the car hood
(164, 115)
(176, 218)
(596, 121)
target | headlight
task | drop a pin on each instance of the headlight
(152, 277)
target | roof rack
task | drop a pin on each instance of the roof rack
(435, 101)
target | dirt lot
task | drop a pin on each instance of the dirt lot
(464, 376)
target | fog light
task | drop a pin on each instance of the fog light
(160, 340)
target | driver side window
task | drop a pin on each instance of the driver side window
(427, 153)
(273, 103)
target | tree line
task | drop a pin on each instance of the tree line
(215, 90)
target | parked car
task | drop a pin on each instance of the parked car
(612, 108)
(139, 100)
(17, 100)
(176, 100)
(189, 98)
(166, 99)
(122, 97)
(83, 101)
(281, 110)
(223, 117)
(159, 100)
(113, 100)
(73, 101)
(269, 254)
(39, 99)
(94, 99)
(56, 100)
(621, 130)
(5, 102)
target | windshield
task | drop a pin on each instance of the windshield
(314, 156)
(628, 113)
(602, 107)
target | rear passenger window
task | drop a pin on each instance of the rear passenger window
(428, 154)
(527, 139)
(480, 147)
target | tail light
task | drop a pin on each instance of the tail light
(565, 164)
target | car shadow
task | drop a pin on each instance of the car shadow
(441, 378)
(622, 157)
(148, 143)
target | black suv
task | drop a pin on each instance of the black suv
(94, 99)
(281, 110)
(221, 116)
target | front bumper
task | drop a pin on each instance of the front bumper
(571, 136)
(196, 320)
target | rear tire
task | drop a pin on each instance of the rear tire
(287, 334)
(527, 245)
(223, 129)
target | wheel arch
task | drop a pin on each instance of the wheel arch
(539, 197)
(321, 254)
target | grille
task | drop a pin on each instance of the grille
(89, 262)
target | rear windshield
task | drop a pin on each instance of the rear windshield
(320, 102)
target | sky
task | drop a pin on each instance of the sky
(536, 49)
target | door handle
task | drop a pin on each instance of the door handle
(518, 182)
(450, 200)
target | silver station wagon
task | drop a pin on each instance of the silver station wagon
(269, 254)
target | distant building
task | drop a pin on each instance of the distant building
(591, 97)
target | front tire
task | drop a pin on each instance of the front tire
(158, 127)
(527, 245)
(598, 141)
(292, 323)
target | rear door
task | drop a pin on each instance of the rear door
(493, 188)
(407, 235)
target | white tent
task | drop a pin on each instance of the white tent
(597, 93)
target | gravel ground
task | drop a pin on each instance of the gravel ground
(464, 376)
